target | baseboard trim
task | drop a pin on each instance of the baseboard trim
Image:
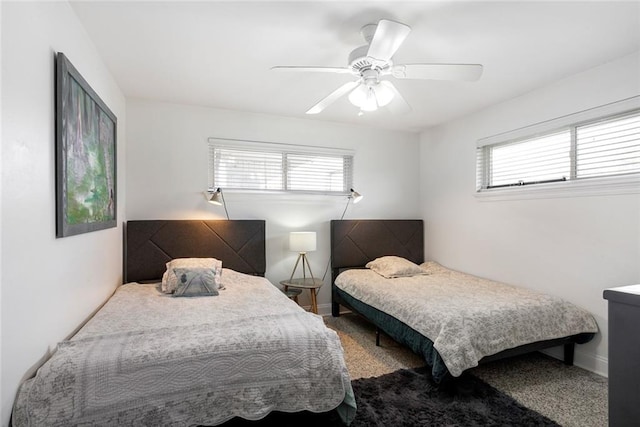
(325, 309)
(588, 361)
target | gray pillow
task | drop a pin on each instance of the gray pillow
(195, 282)
(169, 282)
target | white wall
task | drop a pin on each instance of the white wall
(167, 172)
(573, 247)
(49, 286)
(1, 102)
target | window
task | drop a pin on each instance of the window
(610, 147)
(597, 148)
(535, 160)
(263, 166)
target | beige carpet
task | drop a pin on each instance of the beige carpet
(568, 395)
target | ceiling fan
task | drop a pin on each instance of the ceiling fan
(372, 63)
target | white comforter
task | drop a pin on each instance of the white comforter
(467, 317)
(151, 359)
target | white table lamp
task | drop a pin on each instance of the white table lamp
(302, 242)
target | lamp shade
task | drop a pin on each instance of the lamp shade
(302, 241)
(364, 97)
(216, 198)
(384, 93)
(355, 196)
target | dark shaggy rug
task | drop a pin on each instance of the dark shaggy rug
(410, 398)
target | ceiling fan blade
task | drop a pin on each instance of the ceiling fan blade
(332, 97)
(387, 39)
(399, 105)
(467, 72)
(340, 70)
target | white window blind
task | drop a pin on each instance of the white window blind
(246, 169)
(531, 161)
(255, 166)
(307, 172)
(603, 147)
(610, 147)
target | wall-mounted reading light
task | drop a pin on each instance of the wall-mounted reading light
(217, 198)
(355, 196)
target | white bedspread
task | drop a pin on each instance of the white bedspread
(151, 359)
(467, 317)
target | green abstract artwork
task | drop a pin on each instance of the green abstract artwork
(90, 169)
(86, 157)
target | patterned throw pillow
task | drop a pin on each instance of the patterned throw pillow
(169, 280)
(395, 266)
(195, 282)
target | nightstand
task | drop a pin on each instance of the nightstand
(624, 355)
(292, 293)
(305, 283)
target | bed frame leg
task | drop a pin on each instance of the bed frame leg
(335, 309)
(568, 353)
(377, 337)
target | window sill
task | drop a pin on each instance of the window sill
(279, 196)
(581, 188)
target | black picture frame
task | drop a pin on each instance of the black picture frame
(86, 155)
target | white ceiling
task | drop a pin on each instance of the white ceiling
(219, 54)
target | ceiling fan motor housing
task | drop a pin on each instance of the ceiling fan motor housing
(359, 61)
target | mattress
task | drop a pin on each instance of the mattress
(147, 358)
(466, 317)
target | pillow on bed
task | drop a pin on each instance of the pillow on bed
(170, 281)
(394, 266)
(195, 282)
(432, 267)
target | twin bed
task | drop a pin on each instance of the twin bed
(149, 358)
(454, 320)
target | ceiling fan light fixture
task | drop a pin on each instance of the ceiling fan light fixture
(384, 94)
(363, 98)
(370, 103)
(369, 98)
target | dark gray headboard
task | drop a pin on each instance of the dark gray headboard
(356, 242)
(150, 244)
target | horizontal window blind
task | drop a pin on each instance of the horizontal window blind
(531, 161)
(609, 148)
(279, 167)
(246, 170)
(318, 173)
(604, 147)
